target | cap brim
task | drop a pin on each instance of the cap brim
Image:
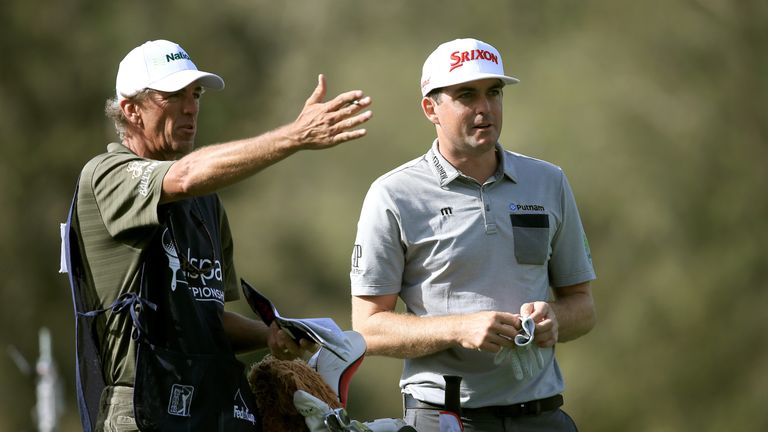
(181, 79)
(474, 77)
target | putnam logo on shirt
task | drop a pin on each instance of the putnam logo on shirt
(526, 207)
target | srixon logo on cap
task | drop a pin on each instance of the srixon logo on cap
(459, 57)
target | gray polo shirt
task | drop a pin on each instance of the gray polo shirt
(448, 245)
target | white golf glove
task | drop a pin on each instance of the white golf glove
(525, 357)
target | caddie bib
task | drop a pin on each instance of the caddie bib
(187, 377)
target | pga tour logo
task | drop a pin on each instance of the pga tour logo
(180, 402)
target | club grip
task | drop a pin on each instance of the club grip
(452, 393)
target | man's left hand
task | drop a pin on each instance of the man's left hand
(546, 322)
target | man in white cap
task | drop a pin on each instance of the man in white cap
(486, 249)
(150, 251)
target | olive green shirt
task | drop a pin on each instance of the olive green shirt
(116, 218)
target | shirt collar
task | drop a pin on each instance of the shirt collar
(118, 148)
(506, 163)
(446, 173)
(441, 168)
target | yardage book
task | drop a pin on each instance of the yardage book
(323, 331)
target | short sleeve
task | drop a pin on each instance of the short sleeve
(127, 190)
(571, 260)
(378, 255)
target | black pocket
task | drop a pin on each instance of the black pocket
(182, 392)
(531, 234)
(169, 389)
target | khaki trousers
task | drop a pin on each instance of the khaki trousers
(116, 410)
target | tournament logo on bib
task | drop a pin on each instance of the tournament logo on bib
(173, 258)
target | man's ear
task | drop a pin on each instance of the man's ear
(131, 111)
(428, 106)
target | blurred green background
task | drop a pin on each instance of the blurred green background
(656, 110)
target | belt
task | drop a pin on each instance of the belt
(533, 407)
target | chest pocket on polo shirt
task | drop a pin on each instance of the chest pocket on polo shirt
(531, 234)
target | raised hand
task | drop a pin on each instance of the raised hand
(326, 124)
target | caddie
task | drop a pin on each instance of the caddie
(150, 253)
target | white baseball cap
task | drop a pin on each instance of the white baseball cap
(160, 65)
(460, 61)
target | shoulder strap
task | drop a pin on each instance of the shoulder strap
(89, 381)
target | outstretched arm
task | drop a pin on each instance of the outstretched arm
(393, 334)
(320, 125)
